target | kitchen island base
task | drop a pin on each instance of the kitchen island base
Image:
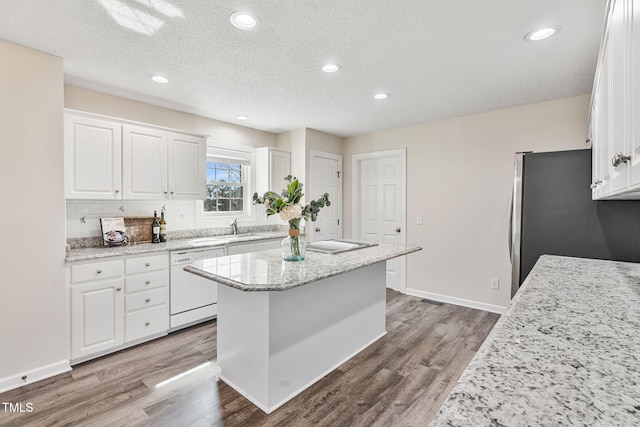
(272, 345)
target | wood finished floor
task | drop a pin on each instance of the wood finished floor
(400, 380)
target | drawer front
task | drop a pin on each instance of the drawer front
(141, 282)
(146, 263)
(96, 271)
(146, 299)
(146, 322)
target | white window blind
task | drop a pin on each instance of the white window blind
(225, 155)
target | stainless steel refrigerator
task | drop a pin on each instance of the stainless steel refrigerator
(552, 213)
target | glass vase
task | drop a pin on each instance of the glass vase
(293, 246)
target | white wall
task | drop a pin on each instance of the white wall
(33, 334)
(300, 142)
(77, 98)
(460, 175)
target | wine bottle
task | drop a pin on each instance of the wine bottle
(163, 228)
(155, 228)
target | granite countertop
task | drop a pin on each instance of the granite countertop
(266, 271)
(85, 254)
(566, 352)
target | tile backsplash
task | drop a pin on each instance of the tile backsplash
(83, 216)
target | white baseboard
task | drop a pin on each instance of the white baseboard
(33, 375)
(457, 301)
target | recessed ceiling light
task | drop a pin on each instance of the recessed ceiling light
(541, 33)
(330, 68)
(242, 117)
(244, 20)
(160, 79)
(380, 96)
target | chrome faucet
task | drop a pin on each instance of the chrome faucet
(234, 226)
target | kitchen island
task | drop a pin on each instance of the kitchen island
(566, 352)
(284, 325)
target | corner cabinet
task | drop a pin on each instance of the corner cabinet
(114, 159)
(615, 106)
(272, 166)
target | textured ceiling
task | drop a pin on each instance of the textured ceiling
(437, 58)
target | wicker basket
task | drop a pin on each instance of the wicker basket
(139, 228)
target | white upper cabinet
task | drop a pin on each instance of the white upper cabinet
(144, 163)
(186, 180)
(92, 156)
(272, 166)
(615, 109)
(109, 159)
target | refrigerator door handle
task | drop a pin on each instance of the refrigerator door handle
(510, 236)
(515, 222)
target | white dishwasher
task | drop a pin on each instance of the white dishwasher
(193, 298)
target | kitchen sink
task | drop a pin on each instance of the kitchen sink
(337, 246)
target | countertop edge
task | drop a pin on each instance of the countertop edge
(99, 253)
(266, 287)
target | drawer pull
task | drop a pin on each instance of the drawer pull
(148, 282)
(118, 289)
(147, 323)
(99, 271)
(148, 300)
(148, 264)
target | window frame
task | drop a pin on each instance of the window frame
(244, 183)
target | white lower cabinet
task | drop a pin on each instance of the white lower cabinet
(261, 245)
(147, 297)
(121, 302)
(117, 303)
(97, 308)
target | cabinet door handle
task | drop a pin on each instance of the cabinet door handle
(99, 271)
(118, 289)
(148, 300)
(147, 323)
(148, 282)
(317, 229)
(117, 191)
(398, 230)
(147, 265)
(619, 159)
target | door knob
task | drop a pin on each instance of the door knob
(317, 229)
(398, 230)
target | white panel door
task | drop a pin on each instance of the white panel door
(144, 163)
(92, 157)
(382, 208)
(187, 164)
(325, 178)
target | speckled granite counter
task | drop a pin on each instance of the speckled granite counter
(266, 271)
(566, 352)
(86, 254)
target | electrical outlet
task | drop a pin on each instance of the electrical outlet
(419, 219)
(495, 283)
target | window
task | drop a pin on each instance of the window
(225, 188)
(226, 181)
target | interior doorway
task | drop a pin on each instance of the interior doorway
(326, 177)
(380, 203)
